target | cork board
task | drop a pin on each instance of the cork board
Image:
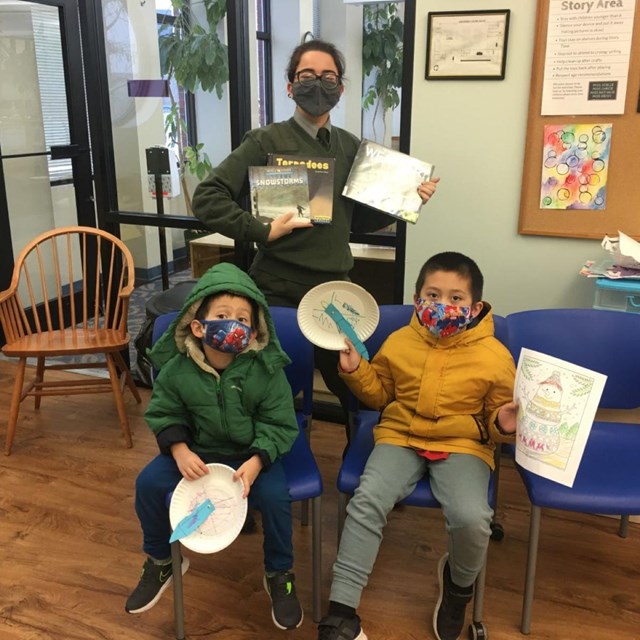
(622, 208)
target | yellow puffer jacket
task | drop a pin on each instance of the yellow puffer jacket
(438, 394)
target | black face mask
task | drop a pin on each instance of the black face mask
(315, 99)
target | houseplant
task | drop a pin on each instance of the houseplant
(382, 58)
(193, 56)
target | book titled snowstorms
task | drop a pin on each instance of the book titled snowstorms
(278, 190)
(320, 176)
(387, 180)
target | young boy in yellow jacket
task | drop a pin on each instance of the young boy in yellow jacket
(444, 385)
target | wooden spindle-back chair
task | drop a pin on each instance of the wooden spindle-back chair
(69, 296)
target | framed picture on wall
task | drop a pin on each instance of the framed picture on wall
(467, 45)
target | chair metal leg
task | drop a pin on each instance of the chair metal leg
(478, 597)
(16, 399)
(304, 506)
(178, 593)
(304, 513)
(532, 558)
(624, 526)
(317, 558)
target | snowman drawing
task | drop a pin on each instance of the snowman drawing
(540, 429)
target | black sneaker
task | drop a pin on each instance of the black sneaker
(338, 628)
(448, 618)
(154, 580)
(285, 608)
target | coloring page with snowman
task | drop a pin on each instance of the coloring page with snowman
(558, 402)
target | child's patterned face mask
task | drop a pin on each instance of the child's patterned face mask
(229, 336)
(442, 320)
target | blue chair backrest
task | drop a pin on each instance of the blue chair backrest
(501, 330)
(300, 372)
(160, 325)
(395, 316)
(603, 341)
(392, 318)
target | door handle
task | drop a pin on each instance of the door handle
(65, 151)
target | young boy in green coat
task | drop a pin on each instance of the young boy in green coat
(221, 396)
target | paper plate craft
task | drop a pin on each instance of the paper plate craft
(207, 514)
(336, 309)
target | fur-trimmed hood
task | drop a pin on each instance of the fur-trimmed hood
(220, 278)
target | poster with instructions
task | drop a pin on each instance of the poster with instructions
(558, 401)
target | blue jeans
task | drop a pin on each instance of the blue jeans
(269, 495)
(460, 483)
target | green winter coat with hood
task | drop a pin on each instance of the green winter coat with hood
(244, 410)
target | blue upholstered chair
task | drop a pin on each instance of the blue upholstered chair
(300, 350)
(608, 479)
(392, 317)
(301, 469)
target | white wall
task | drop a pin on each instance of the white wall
(342, 25)
(290, 20)
(474, 132)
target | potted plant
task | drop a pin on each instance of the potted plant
(382, 58)
(193, 56)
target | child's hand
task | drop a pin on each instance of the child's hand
(189, 464)
(247, 472)
(349, 357)
(508, 417)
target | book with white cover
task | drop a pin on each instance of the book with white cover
(387, 180)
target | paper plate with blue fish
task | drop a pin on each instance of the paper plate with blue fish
(207, 514)
(336, 309)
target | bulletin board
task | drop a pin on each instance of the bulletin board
(622, 209)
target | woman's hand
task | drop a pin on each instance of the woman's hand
(189, 464)
(349, 357)
(283, 225)
(247, 472)
(427, 189)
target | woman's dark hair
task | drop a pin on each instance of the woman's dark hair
(315, 45)
(458, 263)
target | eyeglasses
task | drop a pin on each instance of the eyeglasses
(328, 79)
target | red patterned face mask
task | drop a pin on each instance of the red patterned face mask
(442, 320)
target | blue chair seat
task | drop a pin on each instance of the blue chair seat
(356, 458)
(608, 478)
(611, 458)
(301, 470)
(348, 481)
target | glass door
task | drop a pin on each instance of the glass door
(45, 161)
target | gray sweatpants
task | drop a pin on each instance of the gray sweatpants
(460, 483)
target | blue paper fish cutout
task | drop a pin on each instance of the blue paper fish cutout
(345, 327)
(192, 521)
